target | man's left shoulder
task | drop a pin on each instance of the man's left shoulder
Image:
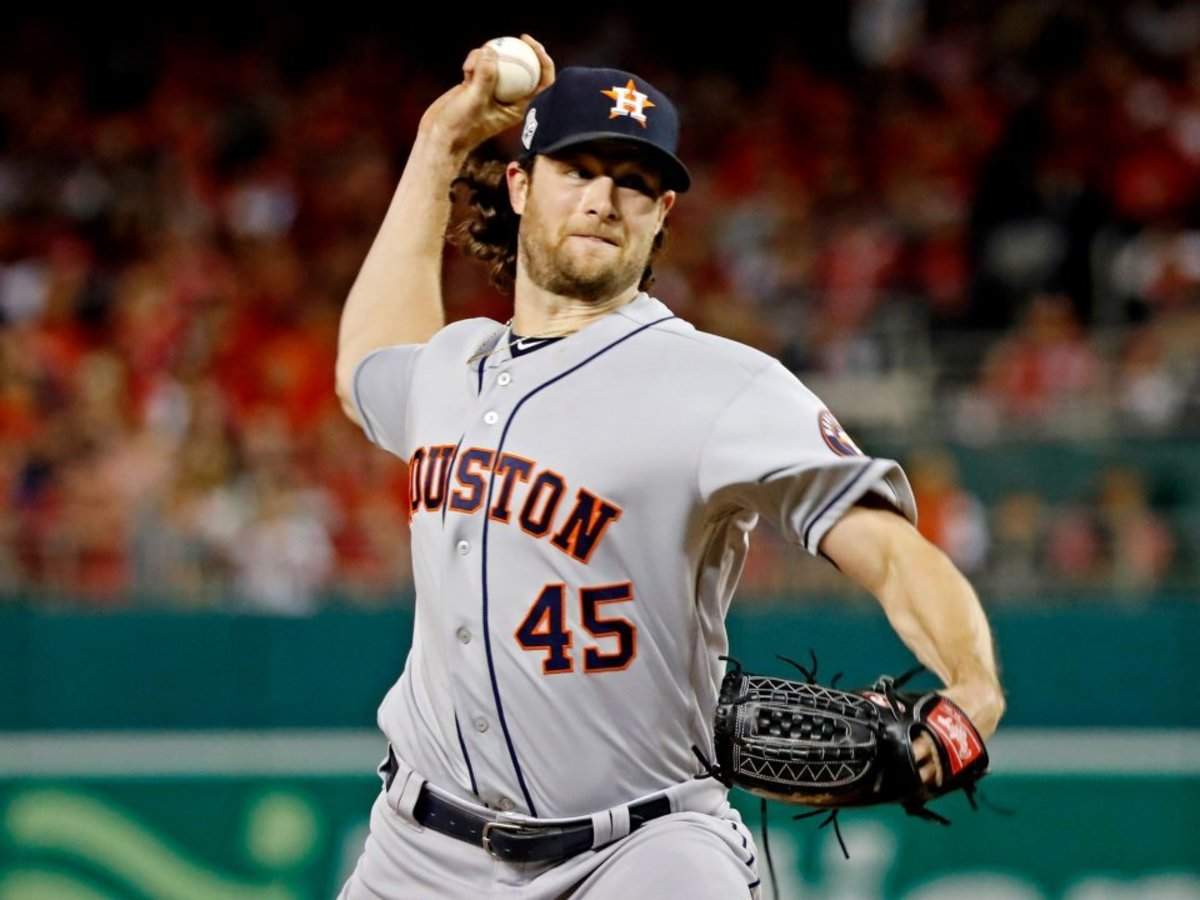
(684, 341)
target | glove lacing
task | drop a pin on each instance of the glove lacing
(810, 675)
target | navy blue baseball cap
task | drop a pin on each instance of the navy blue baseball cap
(585, 104)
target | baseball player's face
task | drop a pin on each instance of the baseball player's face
(588, 221)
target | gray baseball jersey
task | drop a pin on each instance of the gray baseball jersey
(580, 516)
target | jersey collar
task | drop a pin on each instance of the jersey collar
(574, 347)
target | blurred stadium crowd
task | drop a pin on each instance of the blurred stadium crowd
(963, 225)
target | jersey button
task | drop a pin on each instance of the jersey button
(464, 636)
(464, 547)
(504, 379)
(491, 417)
(481, 724)
(505, 804)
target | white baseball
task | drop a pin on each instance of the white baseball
(519, 68)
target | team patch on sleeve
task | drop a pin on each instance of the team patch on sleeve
(835, 436)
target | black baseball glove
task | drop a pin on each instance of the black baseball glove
(803, 743)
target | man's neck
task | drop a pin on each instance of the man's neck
(539, 313)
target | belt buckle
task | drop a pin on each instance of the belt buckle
(488, 827)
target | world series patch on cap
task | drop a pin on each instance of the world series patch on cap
(588, 104)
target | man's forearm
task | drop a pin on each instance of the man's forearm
(397, 296)
(936, 613)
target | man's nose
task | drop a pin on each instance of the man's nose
(598, 198)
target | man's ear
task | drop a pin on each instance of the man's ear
(668, 199)
(518, 186)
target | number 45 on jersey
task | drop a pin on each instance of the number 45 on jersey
(544, 628)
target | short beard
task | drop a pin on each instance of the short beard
(552, 269)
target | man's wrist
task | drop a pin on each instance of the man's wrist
(442, 142)
(982, 701)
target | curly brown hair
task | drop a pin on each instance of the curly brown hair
(487, 227)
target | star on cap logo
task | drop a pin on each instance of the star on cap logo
(628, 101)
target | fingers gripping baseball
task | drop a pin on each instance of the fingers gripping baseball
(480, 72)
(469, 113)
(547, 64)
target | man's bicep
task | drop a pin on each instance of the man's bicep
(379, 393)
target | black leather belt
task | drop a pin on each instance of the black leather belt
(515, 841)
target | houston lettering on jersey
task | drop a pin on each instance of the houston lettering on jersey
(525, 494)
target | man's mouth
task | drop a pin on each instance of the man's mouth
(597, 239)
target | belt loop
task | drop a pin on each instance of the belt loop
(609, 825)
(408, 798)
(602, 826)
(620, 818)
(403, 792)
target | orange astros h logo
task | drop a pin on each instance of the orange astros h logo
(628, 101)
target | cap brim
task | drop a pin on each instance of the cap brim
(675, 174)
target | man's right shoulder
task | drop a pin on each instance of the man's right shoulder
(458, 341)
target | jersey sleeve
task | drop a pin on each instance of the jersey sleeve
(381, 391)
(777, 451)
